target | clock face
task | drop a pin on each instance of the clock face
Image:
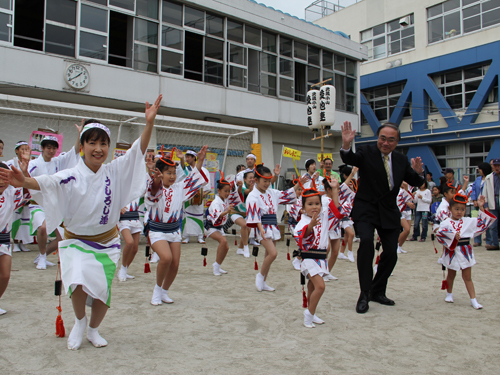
(77, 76)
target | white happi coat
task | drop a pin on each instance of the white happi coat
(194, 213)
(259, 204)
(403, 198)
(294, 213)
(462, 256)
(21, 224)
(318, 181)
(39, 167)
(214, 216)
(442, 213)
(10, 200)
(89, 204)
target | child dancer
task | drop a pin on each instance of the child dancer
(405, 201)
(216, 218)
(130, 227)
(10, 200)
(262, 206)
(346, 223)
(88, 198)
(164, 202)
(20, 226)
(48, 164)
(238, 213)
(311, 234)
(294, 216)
(454, 234)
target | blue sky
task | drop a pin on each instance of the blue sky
(297, 7)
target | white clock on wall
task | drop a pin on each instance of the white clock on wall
(77, 76)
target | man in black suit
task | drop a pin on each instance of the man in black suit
(381, 171)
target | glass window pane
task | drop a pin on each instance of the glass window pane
(145, 58)
(473, 72)
(102, 2)
(327, 60)
(377, 30)
(94, 18)
(286, 87)
(214, 72)
(453, 76)
(395, 89)
(455, 89)
(340, 91)
(267, 84)
(394, 47)
(350, 103)
(63, 11)
(172, 13)
(435, 10)
(491, 18)
(5, 31)
(146, 31)
(472, 86)
(472, 24)
(194, 18)
(59, 40)
(380, 113)
(147, 8)
(313, 55)
(300, 51)
(392, 37)
(252, 35)
(379, 47)
(452, 24)
(367, 34)
(172, 37)
(435, 30)
(171, 62)
(350, 85)
(125, 4)
(408, 43)
(214, 48)
(268, 41)
(450, 5)
(235, 31)
(215, 25)
(454, 101)
(350, 67)
(467, 2)
(268, 63)
(327, 75)
(313, 75)
(286, 67)
(285, 46)
(237, 54)
(340, 63)
(6, 4)
(410, 30)
(394, 25)
(237, 76)
(92, 45)
(490, 4)
(471, 11)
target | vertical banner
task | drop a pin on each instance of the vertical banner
(313, 112)
(257, 151)
(327, 105)
(36, 138)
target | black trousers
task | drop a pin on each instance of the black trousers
(366, 251)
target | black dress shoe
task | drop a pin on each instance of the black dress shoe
(380, 298)
(362, 305)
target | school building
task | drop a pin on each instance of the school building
(433, 69)
(232, 73)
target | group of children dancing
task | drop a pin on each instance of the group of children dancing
(86, 203)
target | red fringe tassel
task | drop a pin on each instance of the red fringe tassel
(147, 268)
(287, 256)
(256, 268)
(204, 262)
(444, 285)
(60, 331)
(304, 299)
(378, 259)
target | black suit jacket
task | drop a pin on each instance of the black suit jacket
(374, 202)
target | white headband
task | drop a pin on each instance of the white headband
(49, 138)
(192, 153)
(305, 164)
(251, 156)
(19, 144)
(95, 125)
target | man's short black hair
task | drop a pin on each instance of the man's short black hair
(389, 125)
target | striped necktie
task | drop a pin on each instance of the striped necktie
(387, 170)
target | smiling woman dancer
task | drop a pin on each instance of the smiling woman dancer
(88, 198)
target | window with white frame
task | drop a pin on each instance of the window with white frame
(459, 87)
(6, 17)
(457, 17)
(384, 100)
(389, 38)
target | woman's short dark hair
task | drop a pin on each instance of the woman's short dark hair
(485, 167)
(94, 134)
(389, 125)
(309, 163)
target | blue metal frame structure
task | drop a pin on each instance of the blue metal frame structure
(420, 87)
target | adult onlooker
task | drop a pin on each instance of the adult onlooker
(430, 182)
(449, 173)
(424, 199)
(491, 191)
(477, 190)
(325, 171)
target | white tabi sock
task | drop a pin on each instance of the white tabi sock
(76, 336)
(449, 297)
(95, 338)
(476, 304)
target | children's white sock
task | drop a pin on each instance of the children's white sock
(449, 297)
(76, 336)
(95, 338)
(475, 304)
(157, 294)
(164, 296)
